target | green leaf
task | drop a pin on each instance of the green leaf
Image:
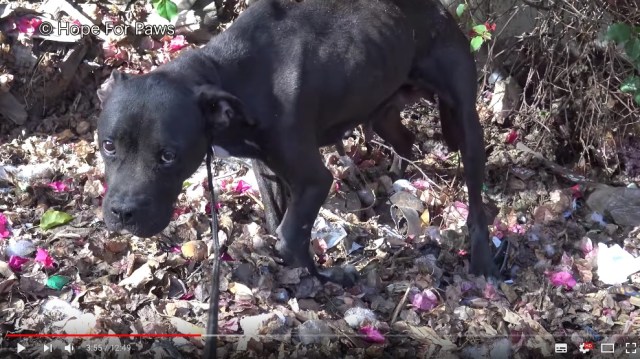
(619, 33)
(172, 9)
(57, 282)
(186, 184)
(636, 98)
(166, 8)
(631, 85)
(53, 218)
(480, 29)
(460, 9)
(476, 42)
(632, 47)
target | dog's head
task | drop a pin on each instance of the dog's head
(153, 134)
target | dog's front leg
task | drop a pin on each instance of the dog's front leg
(309, 182)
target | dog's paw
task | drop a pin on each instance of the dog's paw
(482, 265)
(285, 254)
(346, 276)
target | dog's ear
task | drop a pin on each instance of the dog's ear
(107, 87)
(221, 107)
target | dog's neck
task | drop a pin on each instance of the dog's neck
(238, 139)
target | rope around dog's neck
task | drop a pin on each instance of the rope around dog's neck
(210, 350)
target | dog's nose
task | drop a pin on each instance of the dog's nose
(123, 213)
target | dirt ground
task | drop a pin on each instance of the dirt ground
(564, 223)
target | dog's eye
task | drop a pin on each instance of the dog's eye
(167, 157)
(109, 147)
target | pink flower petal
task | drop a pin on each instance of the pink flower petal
(517, 228)
(319, 246)
(226, 257)
(461, 208)
(586, 245)
(490, 292)
(420, 184)
(4, 230)
(512, 137)
(576, 191)
(242, 187)
(563, 279)
(43, 257)
(230, 326)
(207, 207)
(187, 296)
(372, 334)
(176, 43)
(426, 300)
(58, 186)
(178, 211)
(27, 26)
(16, 262)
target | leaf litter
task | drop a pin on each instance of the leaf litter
(569, 249)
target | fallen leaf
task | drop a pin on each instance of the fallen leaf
(426, 335)
(138, 278)
(184, 327)
(196, 250)
(52, 218)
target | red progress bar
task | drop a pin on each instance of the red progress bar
(10, 335)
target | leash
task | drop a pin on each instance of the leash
(210, 349)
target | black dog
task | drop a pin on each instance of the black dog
(287, 78)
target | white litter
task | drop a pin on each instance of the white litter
(615, 264)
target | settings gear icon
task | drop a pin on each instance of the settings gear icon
(585, 348)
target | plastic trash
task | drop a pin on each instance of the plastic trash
(20, 248)
(357, 317)
(332, 233)
(615, 264)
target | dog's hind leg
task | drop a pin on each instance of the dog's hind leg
(387, 123)
(450, 70)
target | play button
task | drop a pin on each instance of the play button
(20, 347)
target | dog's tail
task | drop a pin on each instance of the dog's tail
(450, 129)
(274, 194)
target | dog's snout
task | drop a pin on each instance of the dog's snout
(123, 212)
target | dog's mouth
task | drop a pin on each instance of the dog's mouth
(147, 229)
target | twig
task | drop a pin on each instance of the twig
(400, 305)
